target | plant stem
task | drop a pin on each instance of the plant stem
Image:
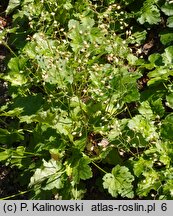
(99, 167)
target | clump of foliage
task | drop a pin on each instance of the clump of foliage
(91, 97)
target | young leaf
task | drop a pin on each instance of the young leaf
(167, 127)
(166, 37)
(167, 55)
(144, 126)
(82, 170)
(151, 182)
(157, 107)
(55, 181)
(156, 59)
(5, 154)
(13, 4)
(169, 99)
(145, 110)
(45, 172)
(170, 22)
(141, 165)
(149, 13)
(119, 182)
(167, 9)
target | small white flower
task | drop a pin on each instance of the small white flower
(53, 13)
(92, 148)
(104, 143)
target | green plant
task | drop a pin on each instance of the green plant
(85, 94)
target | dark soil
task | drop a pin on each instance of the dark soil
(9, 184)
